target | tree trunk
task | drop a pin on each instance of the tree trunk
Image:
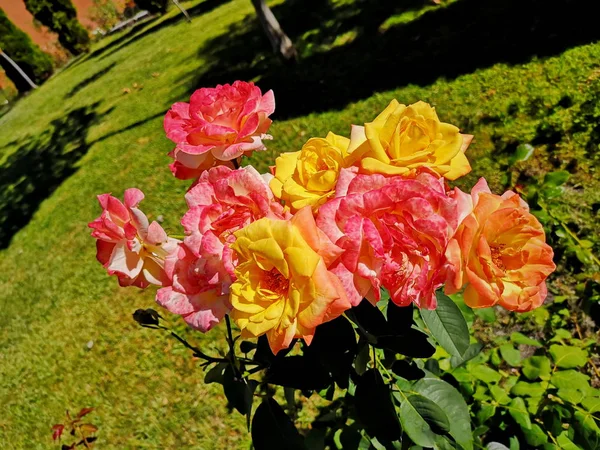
(282, 45)
(18, 69)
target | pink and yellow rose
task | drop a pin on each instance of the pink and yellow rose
(128, 246)
(394, 233)
(403, 138)
(309, 176)
(219, 124)
(499, 252)
(283, 288)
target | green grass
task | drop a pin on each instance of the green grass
(97, 127)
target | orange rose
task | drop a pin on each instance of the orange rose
(499, 251)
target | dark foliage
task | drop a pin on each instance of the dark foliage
(153, 6)
(28, 56)
(61, 17)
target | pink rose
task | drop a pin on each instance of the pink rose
(221, 202)
(128, 246)
(191, 294)
(394, 232)
(219, 124)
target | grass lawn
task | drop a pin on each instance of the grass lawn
(67, 339)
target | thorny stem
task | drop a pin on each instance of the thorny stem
(231, 343)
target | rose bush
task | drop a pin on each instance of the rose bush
(335, 250)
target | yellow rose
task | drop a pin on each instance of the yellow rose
(403, 138)
(283, 288)
(308, 177)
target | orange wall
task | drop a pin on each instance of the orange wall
(18, 14)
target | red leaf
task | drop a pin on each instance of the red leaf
(57, 431)
(83, 412)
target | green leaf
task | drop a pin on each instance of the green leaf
(488, 315)
(537, 367)
(511, 355)
(430, 412)
(447, 325)
(453, 404)
(374, 406)
(362, 356)
(486, 374)
(500, 395)
(521, 339)
(566, 443)
(272, 429)
(486, 412)
(413, 411)
(568, 357)
(522, 153)
(535, 436)
(573, 396)
(472, 352)
(570, 379)
(556, 178)
(519, 413)
(524, 389)
(592, 404)
(514, 443)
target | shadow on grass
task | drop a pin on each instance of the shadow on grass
(349, 55)
(89, 80)
(40, 164)
(156, 25)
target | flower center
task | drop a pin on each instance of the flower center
(497, 256)
(274, 281)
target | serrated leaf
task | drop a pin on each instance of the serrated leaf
(453, 404)
(485, 412)
(472, 352)
(447, 325)
(566, 443)
(511, 355)
(568, 357)
(518, 412)
(524, 389)
(592, 404)
(570, 379)
(521, 339)
(486, 374)
(272, 429)
(500, 395)
(573, 396)
(537, 367)
(535, 436)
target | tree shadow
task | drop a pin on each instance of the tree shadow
(156, 25)
(349, 55)
(32, 173)
(89, 80)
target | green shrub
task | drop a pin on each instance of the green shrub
(153, 6)
(28, 56)
(61, 17)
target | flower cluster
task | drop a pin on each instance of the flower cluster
(334, 223)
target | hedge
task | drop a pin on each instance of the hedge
(28, 56)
